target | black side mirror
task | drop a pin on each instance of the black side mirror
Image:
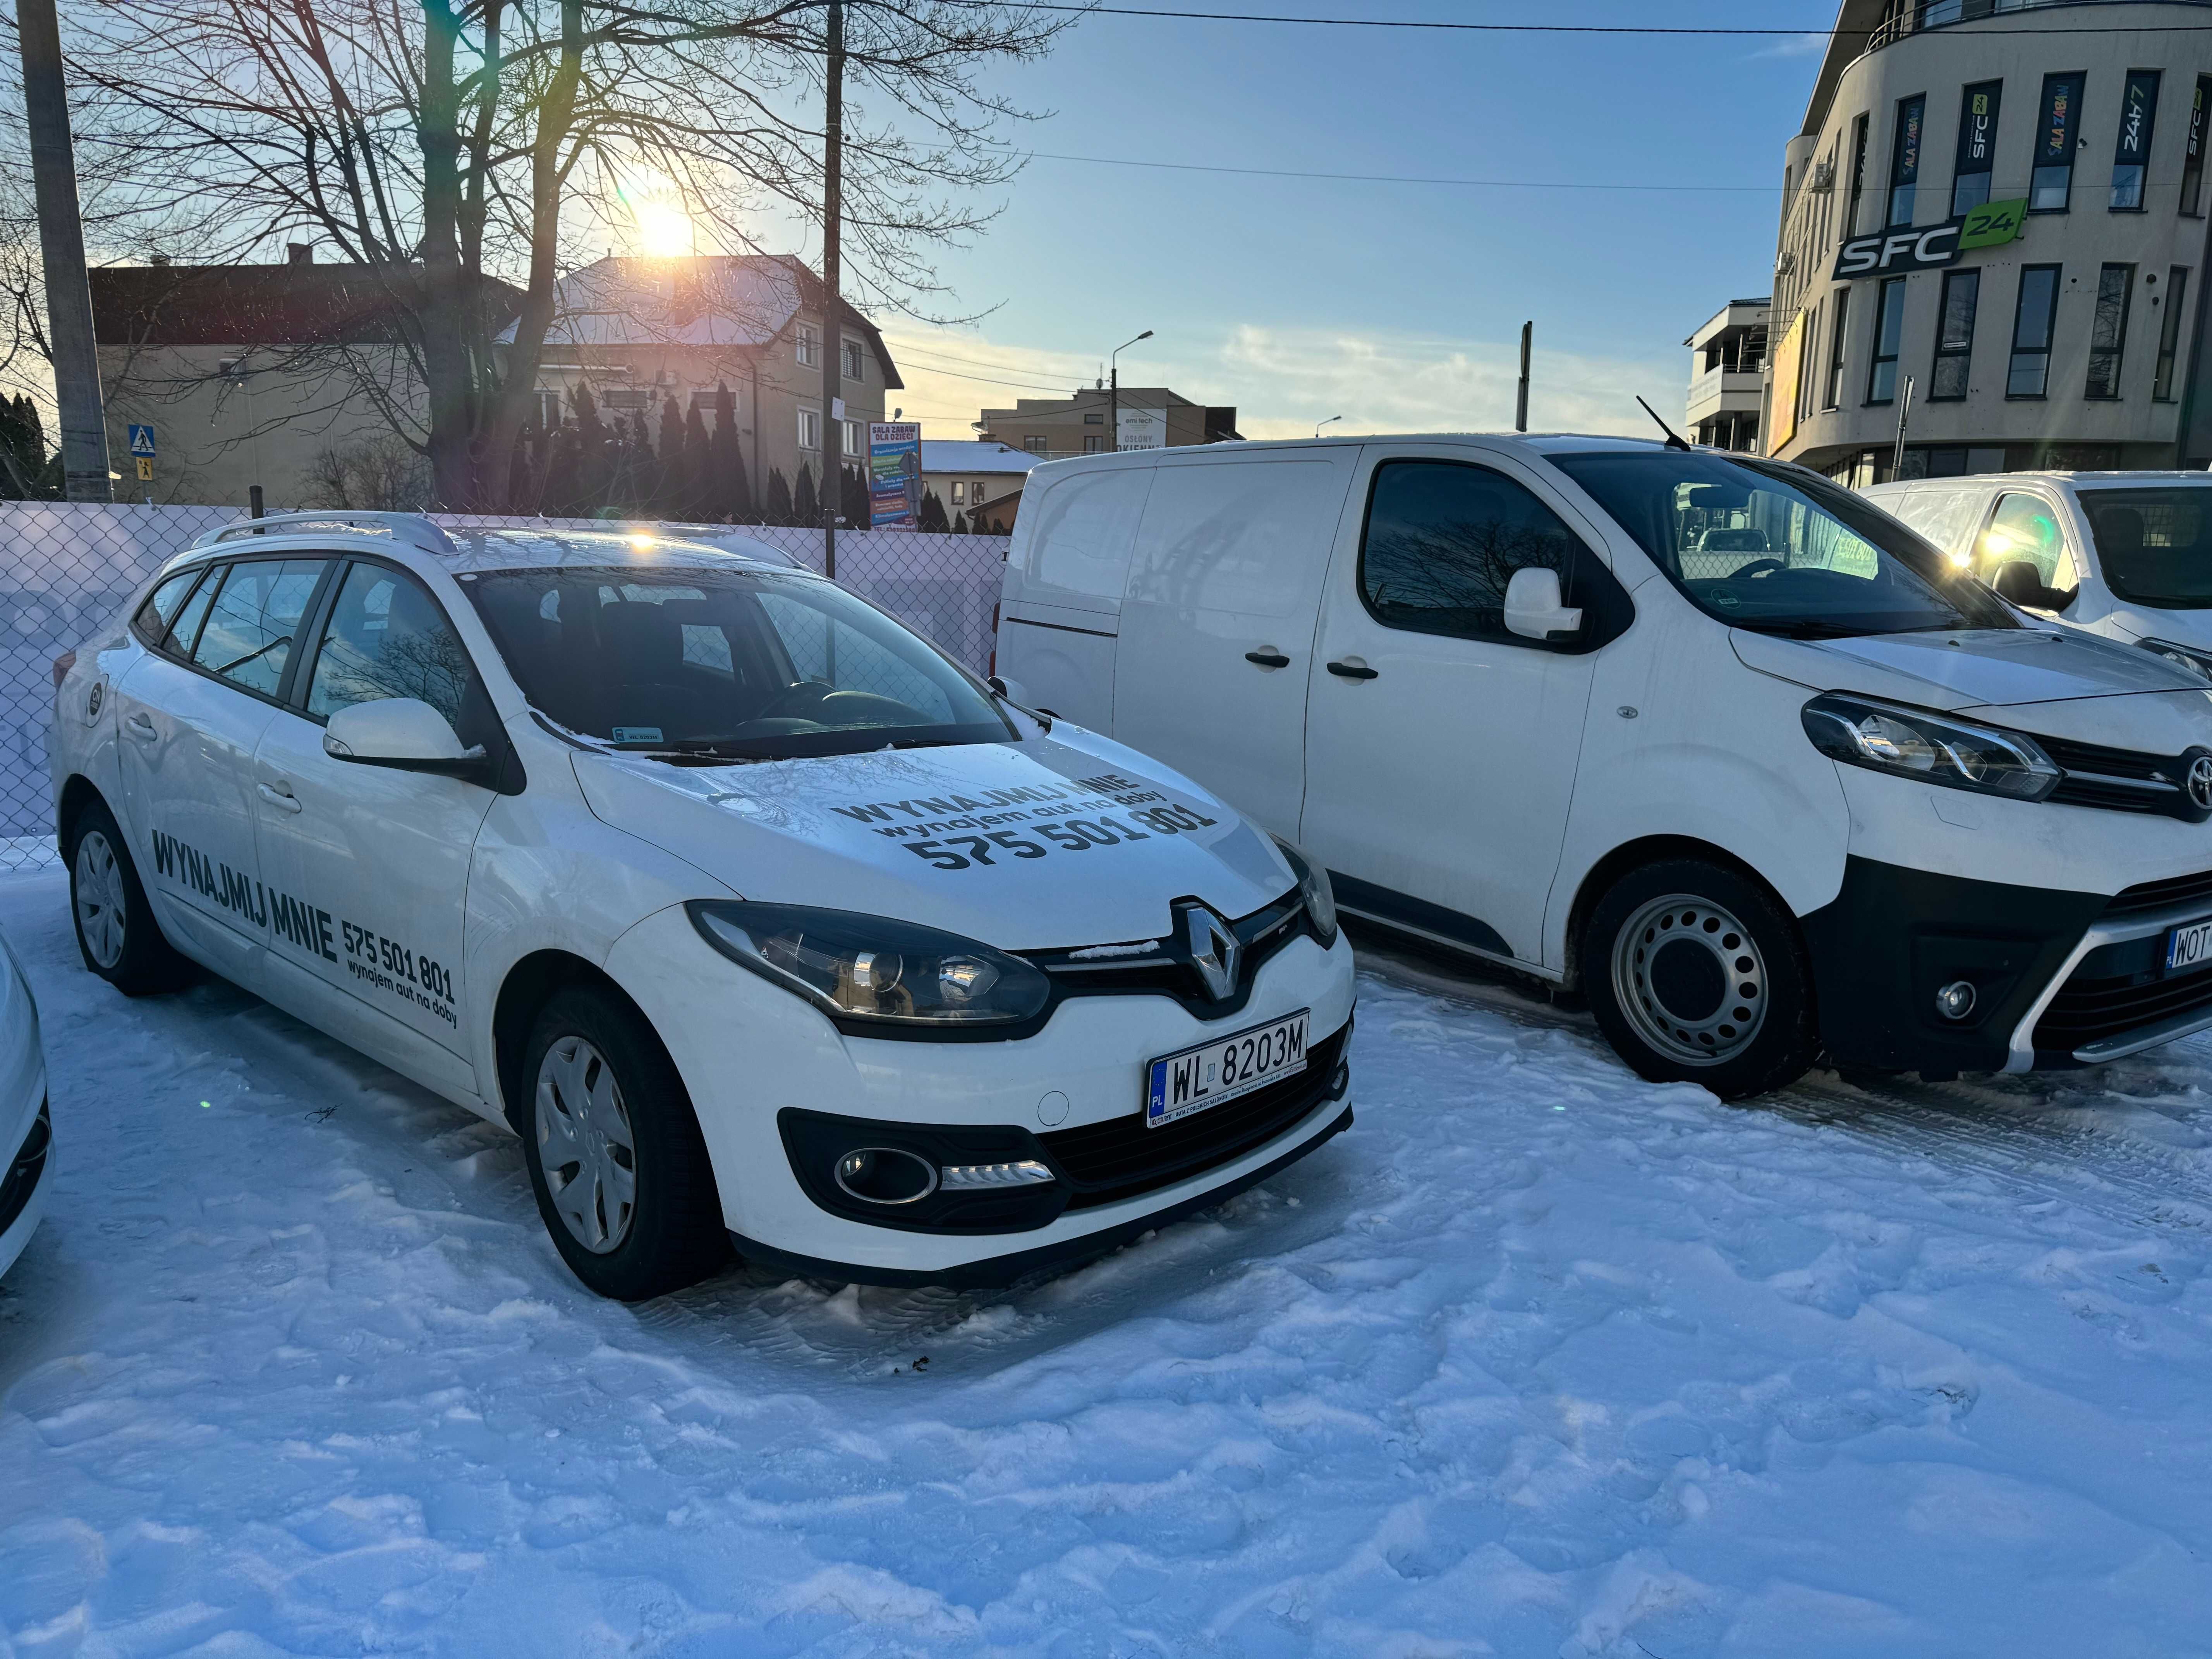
(2020, 582)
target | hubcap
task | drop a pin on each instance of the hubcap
(585, 1146)
(99, 898)
(1690, 980)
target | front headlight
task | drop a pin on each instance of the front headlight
(1914, 744)
(2189, 657)
(873, 968)
(1313, 887)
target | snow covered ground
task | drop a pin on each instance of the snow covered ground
(1537, 1360)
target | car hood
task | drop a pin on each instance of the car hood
(894, 833)
(1974, 668)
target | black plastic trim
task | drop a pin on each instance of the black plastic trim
(1395, 909)
(1063, 628)
(21, 1179)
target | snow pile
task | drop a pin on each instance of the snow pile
(1536, 1360)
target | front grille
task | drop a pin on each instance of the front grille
(2150, 895)
(1119, 1158)
(21, 1179)
(2093, 1010)
(1163, 967)
(2120, 779)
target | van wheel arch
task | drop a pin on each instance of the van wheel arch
(1632, 855)
(530, 984)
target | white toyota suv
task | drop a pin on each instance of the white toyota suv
(760, 920)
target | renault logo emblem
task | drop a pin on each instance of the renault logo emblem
(2200, 781)
(1216, 951)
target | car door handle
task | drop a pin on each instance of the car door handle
(1268, 659)
(279, 794)
(141, 728)
(1352, 670)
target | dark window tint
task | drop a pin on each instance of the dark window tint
(1977, 146)
(2169, 333)
(1837, 334)
(2059, 115)
(387, 638)
(2154, 545)
(184, 631)
(1444, 538)
(1904, 159)
(1955, 335)
(2108, 334)
(161, 607)
(2131, 154)
(1888, 338)
(249, 631)
(2029, 371)
(1859, 174)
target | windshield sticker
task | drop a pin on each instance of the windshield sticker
(637, 734)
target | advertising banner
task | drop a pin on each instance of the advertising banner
(1886, 252)
(894, 475)
(1977, 145)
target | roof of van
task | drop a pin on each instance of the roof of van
(1548, 443)
(2144, 475)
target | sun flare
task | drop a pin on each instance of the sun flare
(663, 229)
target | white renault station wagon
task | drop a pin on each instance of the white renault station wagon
(759, 919)
(1746, 762)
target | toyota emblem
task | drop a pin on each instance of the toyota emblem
(2200, 782)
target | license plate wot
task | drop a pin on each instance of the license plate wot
(1225, 1069)
(2189, 945)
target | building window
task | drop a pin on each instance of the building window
(856, 361)
(810, 428)
(1094, 420)
(2169, 334)
(1037, 444)
(1977, 146)
(2108, 335)
(959, 492)
(1905, 158)
(1955, 336)
(2059, 117)
(854, 436)
(2138, 109)
(1808, 369)
(2192, 155)
(2029, 372)
(1858, 175)
(1093, 444)
(1888, 336)
(1835, 393)
(810, 346)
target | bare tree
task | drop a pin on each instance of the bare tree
(454, 147)
(383, 475)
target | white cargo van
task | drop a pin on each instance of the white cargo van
(1756, 768)
(2126, 554)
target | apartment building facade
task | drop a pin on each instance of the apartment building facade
(1727, 385)
(1993, 246)
(1085, 423)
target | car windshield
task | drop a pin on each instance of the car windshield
(1778, 550)
(707, 665)
(2154, 545)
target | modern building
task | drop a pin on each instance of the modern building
(968, 475)
(1151, 417)
(1727, 386)
(1992, 252)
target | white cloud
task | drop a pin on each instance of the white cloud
(1797, 46)
(1283, 380)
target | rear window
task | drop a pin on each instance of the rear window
(2154, 545)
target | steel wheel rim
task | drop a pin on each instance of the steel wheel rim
(585, 1145)
(99, 899)
(1665, 960)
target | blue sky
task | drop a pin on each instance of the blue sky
(1397, 305)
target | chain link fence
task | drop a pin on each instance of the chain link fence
(66, 568)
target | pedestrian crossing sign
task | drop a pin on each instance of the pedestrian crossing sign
(142, 443)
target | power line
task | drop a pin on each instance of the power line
(1018, 386)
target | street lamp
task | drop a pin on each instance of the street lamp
(1114, 381)
(1331, 421)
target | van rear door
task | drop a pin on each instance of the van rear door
(1060, 608)
(1216, 631)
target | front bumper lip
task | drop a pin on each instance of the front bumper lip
(2021, 1052)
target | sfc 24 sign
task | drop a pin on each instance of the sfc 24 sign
(1991, 225)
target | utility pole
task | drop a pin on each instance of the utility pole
(1521, 404)
(1903, 414)
(61, 242)
(1113, 393)
(833, 214)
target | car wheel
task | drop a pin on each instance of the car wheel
(1696, 974)
(115, 928)
(616, 1156)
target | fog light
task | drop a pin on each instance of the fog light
(884, 1174)
(1956, 1000)
(1027, 1172)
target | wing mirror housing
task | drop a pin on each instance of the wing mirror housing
(2019, 582)
(407, 735)
(1533, 609)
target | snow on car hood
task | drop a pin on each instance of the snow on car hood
(1974, 668)
(1069, 840)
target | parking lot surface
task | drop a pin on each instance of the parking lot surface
(1537, 1360)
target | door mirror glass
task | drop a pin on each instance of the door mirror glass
(392, 731)
(1533, 606)
(2019, 580)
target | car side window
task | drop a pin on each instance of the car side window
(2027, 527)
(161, 605)
(1443, 540)
(250, 627)
(387, 638)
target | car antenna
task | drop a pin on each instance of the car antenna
(1673, 438)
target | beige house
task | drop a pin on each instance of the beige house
(964, 475)
(1151, 417)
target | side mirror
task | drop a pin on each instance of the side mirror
(405, 734)
(2019, 581)
(1532, 606)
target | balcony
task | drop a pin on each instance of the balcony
(1907, 17)
(1724, 390)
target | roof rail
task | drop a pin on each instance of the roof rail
(412, 527)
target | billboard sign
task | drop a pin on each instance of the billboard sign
(894, 475)
(1142, 428)
(1887, 252)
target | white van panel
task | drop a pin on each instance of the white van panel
(1230, 560)
(1061, 604)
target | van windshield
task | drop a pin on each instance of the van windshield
(2154, 545)
(1780, 550)
(707, 665)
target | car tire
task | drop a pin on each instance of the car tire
(620, 1171)
(1696, 974)
(116, 931)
